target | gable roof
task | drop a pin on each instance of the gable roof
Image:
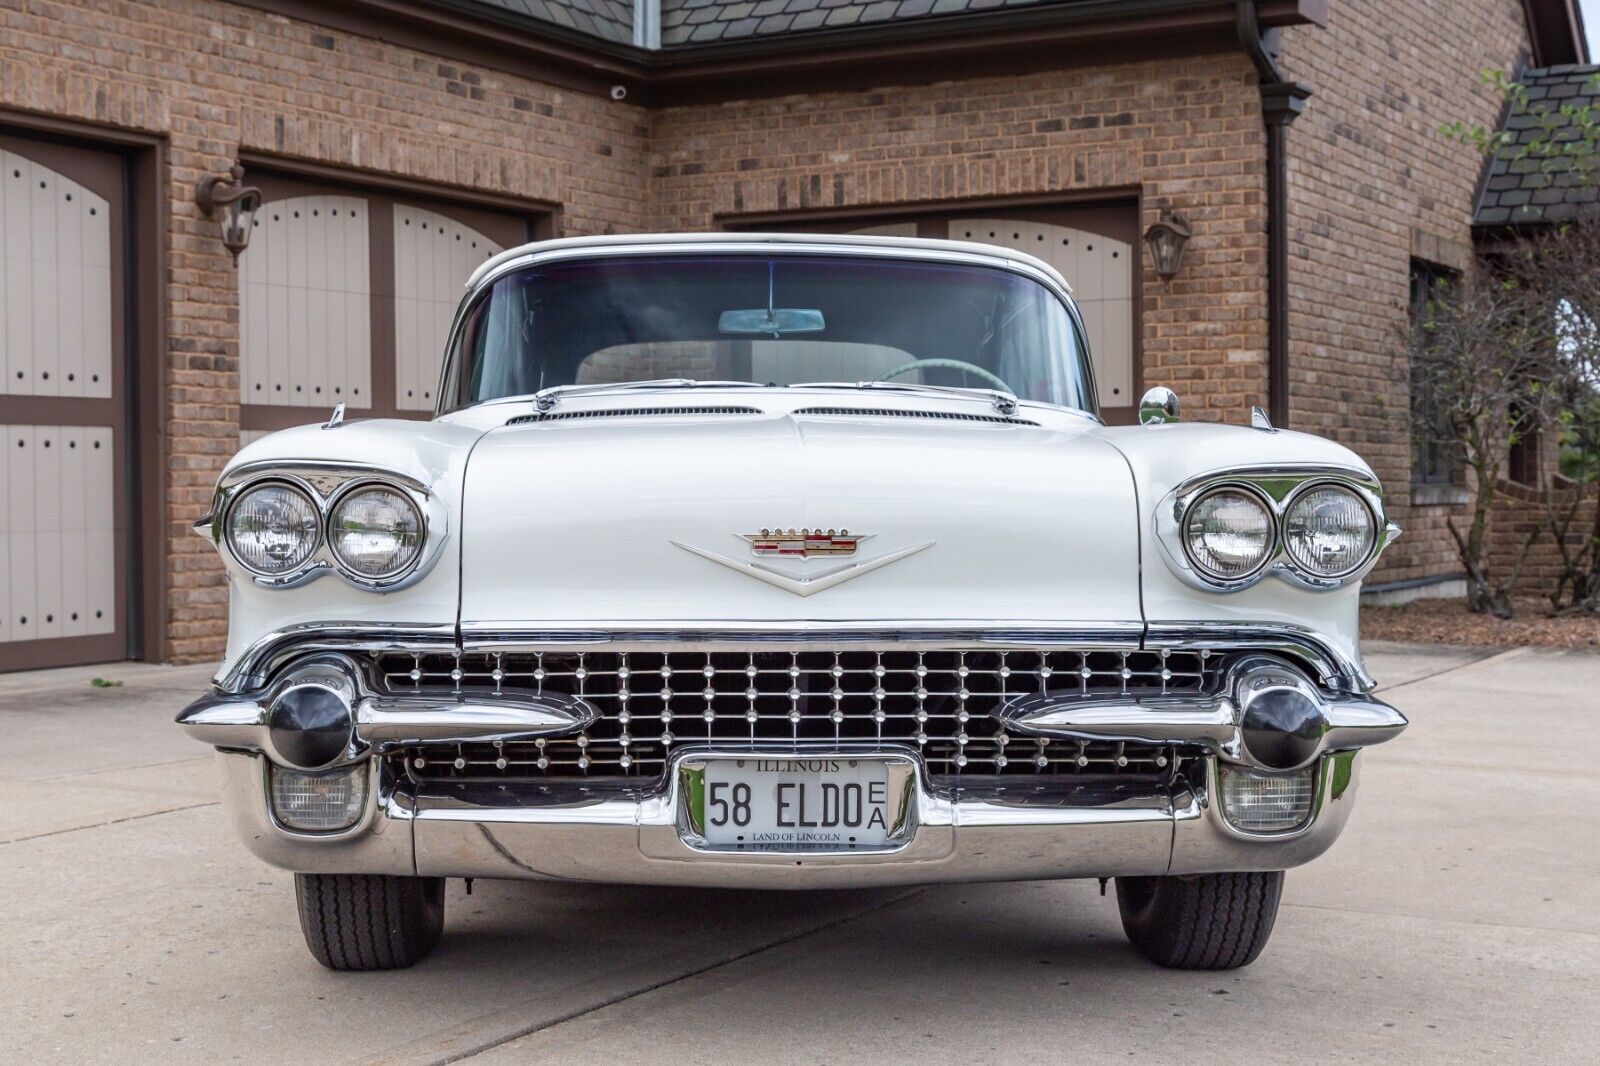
(688, 22)
(1525, 186)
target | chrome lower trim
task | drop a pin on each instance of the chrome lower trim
(633, 837)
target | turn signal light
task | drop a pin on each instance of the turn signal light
(1266, 803)
(320, 802)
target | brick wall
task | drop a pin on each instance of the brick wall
(1181, 133)
(1372, 183)
(215, 79)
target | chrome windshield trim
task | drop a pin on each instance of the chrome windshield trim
(964, 253)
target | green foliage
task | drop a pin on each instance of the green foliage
(1564, 138)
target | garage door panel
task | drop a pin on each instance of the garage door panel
(1100, 271)
(99, 560)
(58, 544)
(304, 302)
(434, 255)
(46, 284)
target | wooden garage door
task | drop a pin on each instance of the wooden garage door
(64, 515)
(346, 296)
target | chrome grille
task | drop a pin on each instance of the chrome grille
(940, 703)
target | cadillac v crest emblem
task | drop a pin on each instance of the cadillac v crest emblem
(804, 543)
(795, 554)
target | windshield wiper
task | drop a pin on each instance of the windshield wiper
(545, 399)
(1004, 402)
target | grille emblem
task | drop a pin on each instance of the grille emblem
(804, 543)
(792, 551)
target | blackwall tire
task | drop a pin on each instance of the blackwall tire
(369, 921)
(1206, 922)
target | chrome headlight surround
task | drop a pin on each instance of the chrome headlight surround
(1279, 488)
(326, 483)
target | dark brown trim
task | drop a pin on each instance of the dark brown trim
(543, 215)
(139, 377)
(149, 210)
(50, 652)
(1556, 30)
(1010, 41)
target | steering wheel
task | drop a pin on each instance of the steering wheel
(946, 364)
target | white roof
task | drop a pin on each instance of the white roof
(912, 247)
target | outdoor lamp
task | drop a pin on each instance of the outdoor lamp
(1167, 239)
(238, 202)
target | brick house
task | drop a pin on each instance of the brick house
(400, 141)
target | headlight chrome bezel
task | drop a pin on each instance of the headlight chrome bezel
(325, 484)
(228, 533)
(1274, 532)
(340, 498)
(1279, 488)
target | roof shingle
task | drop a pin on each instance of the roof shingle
(1528, 186)
(690, 22)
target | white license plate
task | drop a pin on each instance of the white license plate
(778, 804)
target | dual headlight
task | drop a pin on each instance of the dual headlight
(1231, 532)
(373, 532)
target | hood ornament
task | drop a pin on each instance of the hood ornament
(800, 546)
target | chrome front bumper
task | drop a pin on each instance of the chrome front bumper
(540, 834)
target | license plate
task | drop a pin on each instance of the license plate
(797, 805)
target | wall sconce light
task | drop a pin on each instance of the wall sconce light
(1167, 238)
(237, 202)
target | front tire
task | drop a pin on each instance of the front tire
(1206, 922)
(369, 921)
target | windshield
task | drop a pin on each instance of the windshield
(770, 321)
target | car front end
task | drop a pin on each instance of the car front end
(748, 627)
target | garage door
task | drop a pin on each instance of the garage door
(346, 296)
(63, 501)
(1100, 270)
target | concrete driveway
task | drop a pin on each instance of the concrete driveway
(1458, 918)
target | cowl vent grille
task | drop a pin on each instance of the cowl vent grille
(890, 412)
(631, 412)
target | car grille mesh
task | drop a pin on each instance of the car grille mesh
(940, 703)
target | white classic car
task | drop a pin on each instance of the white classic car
(788, 562)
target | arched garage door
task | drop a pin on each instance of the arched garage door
(346, 296)
(63, 505)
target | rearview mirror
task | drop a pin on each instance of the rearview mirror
(774, 321)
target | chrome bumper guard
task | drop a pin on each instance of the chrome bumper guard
(1107, 830)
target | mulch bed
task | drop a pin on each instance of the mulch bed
(1440, 621)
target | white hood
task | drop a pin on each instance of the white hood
(635, 520)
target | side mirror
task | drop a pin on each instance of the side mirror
(1157, 406)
